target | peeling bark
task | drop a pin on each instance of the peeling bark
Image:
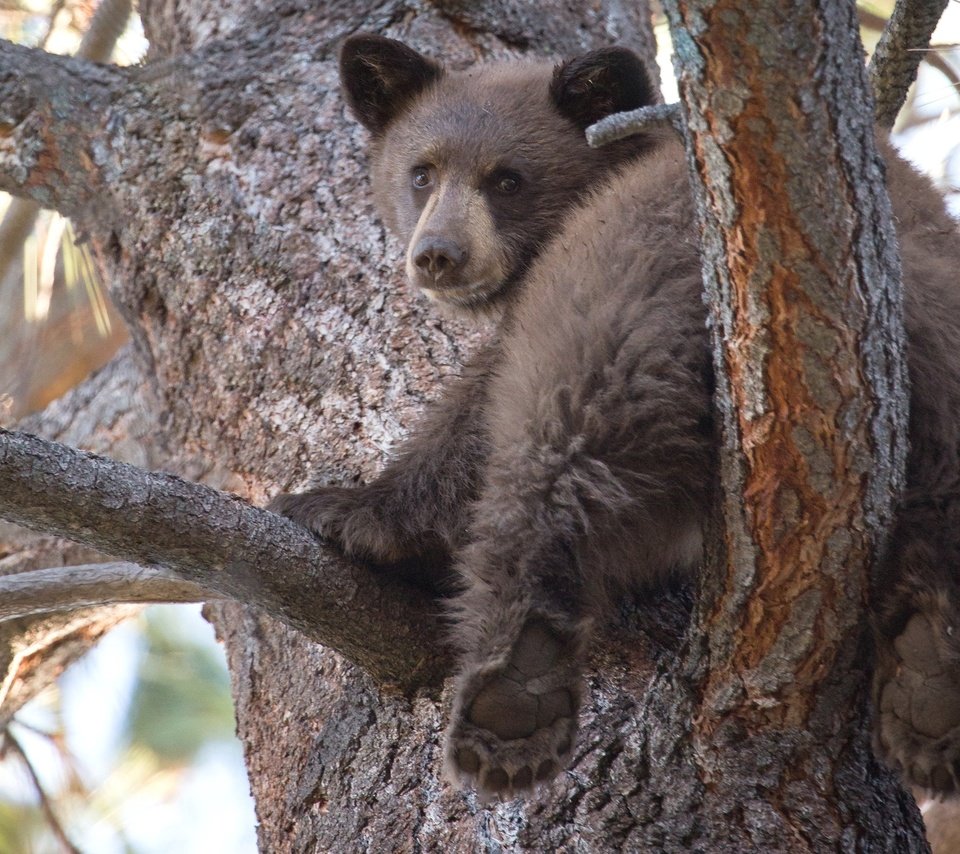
(802, 275)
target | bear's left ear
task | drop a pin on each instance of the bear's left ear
(381, 76)
(605, 81)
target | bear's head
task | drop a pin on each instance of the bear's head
(475, 170)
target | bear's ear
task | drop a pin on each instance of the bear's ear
(380, 76)
(599, 83)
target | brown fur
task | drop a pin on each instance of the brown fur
(577, 453)
(470, 129)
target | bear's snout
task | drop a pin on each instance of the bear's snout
(439, 259)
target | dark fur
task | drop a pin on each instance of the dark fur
(578, 453)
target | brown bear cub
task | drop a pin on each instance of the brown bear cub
(576, 454)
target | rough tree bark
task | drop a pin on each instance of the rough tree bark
(806, 313)
(902, 46)
(223, 544)
(223, 190)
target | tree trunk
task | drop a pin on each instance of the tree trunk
(224, 191)
(807, 322)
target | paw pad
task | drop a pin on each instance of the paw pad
(918, 698)
(514, 726)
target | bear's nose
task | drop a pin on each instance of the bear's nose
(438, 256)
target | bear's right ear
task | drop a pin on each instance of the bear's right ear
(605, 81)
(380, 76)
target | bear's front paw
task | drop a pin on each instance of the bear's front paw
(515, 722)
(359, 523)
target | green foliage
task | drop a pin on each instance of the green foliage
(182, 696)
(179, 702)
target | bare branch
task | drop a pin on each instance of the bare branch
(108, 24)
(51, 21)
(49, 813)
(108, 413)
(935, 60)
(225, 545)
(43, 591)
(892, 70)
(18, 222)
(871, 20)
(898, 54)
(632, 122)
(97, 45)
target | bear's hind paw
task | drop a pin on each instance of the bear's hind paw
(918, 699)
(515, 725)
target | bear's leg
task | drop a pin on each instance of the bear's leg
(917, 677)
(531, 585)
(523, 627)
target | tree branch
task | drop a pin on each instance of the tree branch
(51, 112)
(632, 122)
(15, 228)
(899, 52)
(935, 60)
(220, 542)
(109, 413)
(46, 807)
(108, 24)
(97, 45)
(893, 68)
(44, 591)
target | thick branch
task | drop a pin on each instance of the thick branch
(223, 544)
(108, 24)
(44, 591)
(51, 109)
(899, 52)
(97, 45)
(108, 413)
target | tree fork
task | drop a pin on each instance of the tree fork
(330, 758)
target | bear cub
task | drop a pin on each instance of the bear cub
(576, 453)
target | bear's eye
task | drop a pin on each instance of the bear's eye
(422, 177)
(506, 183)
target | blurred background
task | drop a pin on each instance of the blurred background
(133, 750)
